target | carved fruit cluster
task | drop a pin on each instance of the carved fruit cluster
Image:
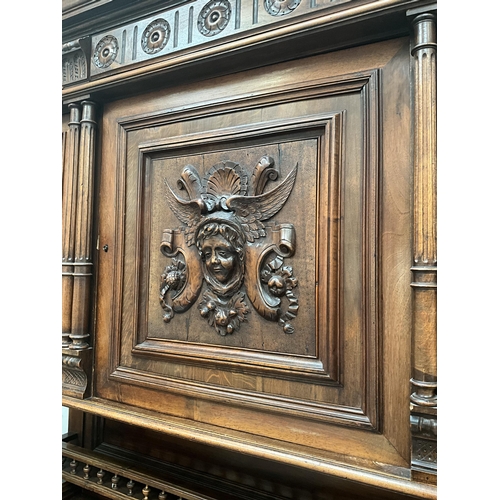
(173, 279)
(225, 317)
(280, 282)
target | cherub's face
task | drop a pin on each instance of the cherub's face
(220, 257)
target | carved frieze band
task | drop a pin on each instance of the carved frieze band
(186, 25)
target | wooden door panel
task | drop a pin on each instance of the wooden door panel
(311, 359)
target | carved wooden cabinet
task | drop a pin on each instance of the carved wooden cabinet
(249, 249)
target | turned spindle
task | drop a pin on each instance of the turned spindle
(130, 486)
(100, 476)
(114, 481)
(86, 471)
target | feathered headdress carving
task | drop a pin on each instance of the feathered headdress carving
(222, 194)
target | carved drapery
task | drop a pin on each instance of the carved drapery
(424, 347)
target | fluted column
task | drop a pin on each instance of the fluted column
(82, 276)
(70, 181)
(423, 397)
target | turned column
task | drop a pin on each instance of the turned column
(70, 182)
(423, 399)
(82, 275)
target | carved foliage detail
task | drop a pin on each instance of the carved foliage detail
(74, 67)
(225, 244)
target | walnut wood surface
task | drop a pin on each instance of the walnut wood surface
(341, 260)
(322, 394)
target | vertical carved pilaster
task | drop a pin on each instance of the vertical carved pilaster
(70, 180)
(424, 346)
(80, 320)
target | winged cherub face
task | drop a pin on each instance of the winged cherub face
(221, 249)
(220, 257)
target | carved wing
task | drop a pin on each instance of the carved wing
(251, 210)
(266, 204)
(188, 212)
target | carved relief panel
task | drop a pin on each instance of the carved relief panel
(232, 254)
(222, 277)
(223, 220)
(248, 222)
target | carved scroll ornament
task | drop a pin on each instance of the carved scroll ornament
(225, 244)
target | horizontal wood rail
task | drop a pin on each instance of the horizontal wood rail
(257, 446)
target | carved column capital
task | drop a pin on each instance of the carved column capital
(424, 26)
(75, 60)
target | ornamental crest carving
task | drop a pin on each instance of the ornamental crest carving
(227, 249)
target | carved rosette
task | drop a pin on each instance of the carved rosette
(155, 36)
(225, 245)
(280, 7)
(214, 17)
(105, 52)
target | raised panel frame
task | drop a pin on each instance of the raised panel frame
(325, 368)
(288, 407)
